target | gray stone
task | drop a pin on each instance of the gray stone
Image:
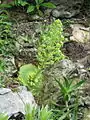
(80, 33)
(62, 68)
(4, 91)
(86, 114)
(66, 8)
(56, 13)
(67, 68)
(35, 17)
(10, 66)
(14, 102)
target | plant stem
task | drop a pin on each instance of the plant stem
(67, 106)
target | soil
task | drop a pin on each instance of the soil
(77, 52)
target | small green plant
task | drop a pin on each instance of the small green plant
(49, 45)
(3, 116)
(30, 112)
(34, 7)
(66, 89)
(43, 113)
(38, 5)
(33, 113)
(31, 76)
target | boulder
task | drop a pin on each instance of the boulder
(14, 102)
(80, 33)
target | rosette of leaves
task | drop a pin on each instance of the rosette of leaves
(31, 77)
(49, 45)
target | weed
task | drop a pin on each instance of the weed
(66, 89)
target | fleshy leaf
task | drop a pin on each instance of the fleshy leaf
(31, 8)
(48, 4)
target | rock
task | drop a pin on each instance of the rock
(66, 68)
(86, 114)
(80, 33)
(35, 17)
(17, 116)
(50, 91)
(56, 13)
(66, 9)
(62, 68)
(14, 102)
(6, 2)
(4, 91)
(10, 66)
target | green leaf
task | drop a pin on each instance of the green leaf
(66, 82)
(71, 82)
(36, 1)
(48, 4)
(40, 13)
(76, 86)
(30, 112)
(5, 6)
(23, 3)
(40, 1)
(62, 88)
(45, 114)
(31, 8)
(63, 116)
